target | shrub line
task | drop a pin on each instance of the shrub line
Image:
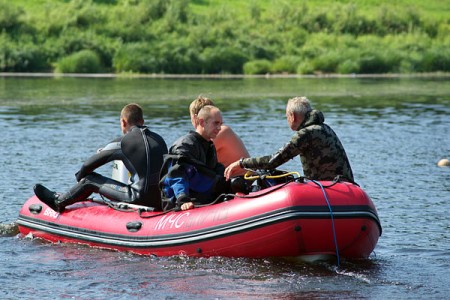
(223, 76)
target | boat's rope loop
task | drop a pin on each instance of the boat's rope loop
(249, 175)
(332, 218)
(267, 175)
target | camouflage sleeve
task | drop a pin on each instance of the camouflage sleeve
(284, 154)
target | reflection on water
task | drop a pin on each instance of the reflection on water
(394, 132)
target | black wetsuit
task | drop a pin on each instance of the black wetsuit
(141, 151)
(192, 170)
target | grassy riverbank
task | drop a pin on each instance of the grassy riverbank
(232, 37)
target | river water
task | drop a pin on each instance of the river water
(395, 130)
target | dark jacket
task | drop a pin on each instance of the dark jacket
(321, 153)
(191, 169)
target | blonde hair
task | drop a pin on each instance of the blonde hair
(198, 104)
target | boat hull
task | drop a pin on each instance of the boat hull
(297, 219)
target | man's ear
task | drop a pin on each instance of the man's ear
(297, 117)
(123, 122)
(201, 122)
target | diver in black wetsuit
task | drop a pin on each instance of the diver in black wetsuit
(141, 151)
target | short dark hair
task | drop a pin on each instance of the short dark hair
(132, 113)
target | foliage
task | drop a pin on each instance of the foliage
(259, 66)
(286, 64)
(21, 56)
(205, 37)
(84, 61)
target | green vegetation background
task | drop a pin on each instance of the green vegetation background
(225, 37)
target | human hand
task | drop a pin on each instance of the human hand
(187, 205)
(232, 169)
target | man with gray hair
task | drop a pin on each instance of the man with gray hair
(321, 153)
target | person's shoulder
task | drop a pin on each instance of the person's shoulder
(184, 145)
(226, 132)
(158, 139)
(227, 136)
(229, 146)
(188, 138)
(155, 134)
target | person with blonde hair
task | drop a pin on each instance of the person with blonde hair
(229, 146)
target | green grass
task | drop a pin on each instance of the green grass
(233, 36)
(429, 9)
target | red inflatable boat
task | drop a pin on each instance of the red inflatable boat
(295, 219)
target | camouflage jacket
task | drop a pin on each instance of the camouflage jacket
(321, 153)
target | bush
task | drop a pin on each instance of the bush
(443, 31)
(349, 21)
(411, 62)
(317, 21)
(259, 46)
(437, 58)
(349, 62)
(135, 57)
(379, 60)
(327, 63)
(349, 66)
(391, 20)
(72, 41)
(259, 66)
(318, 44)
(177, 56)
(223, 60)
(22, 56)
(85, 61)
(286, 64)
(305, 67)
(10, 17)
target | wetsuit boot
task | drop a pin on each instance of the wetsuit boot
(47, 196)
(57, 201)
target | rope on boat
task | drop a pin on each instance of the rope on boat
(128, 207)
(248, 176)
(332, 218)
